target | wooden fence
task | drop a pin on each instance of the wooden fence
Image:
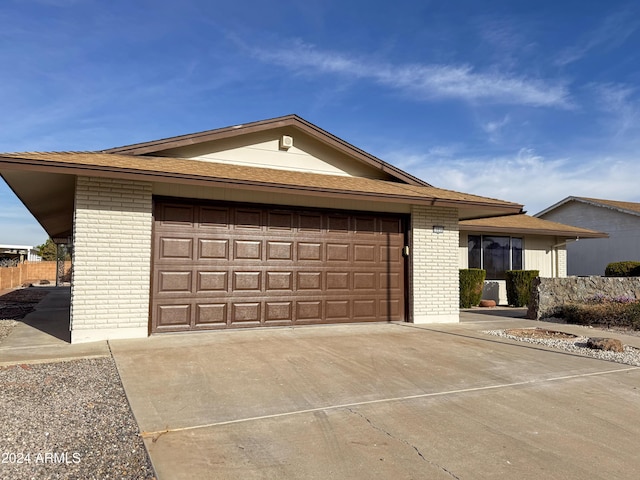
(30, 272)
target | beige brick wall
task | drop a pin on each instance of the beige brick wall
(435, 259)
(562, 261)
(112, 259)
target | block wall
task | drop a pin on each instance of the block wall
(112, 259)
(435, 265)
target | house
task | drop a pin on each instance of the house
(14, 254)
(275, 222)
(517, 242)
(621, 220)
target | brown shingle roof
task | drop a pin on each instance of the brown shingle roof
(529, 225)
(629, 206)
(179, 170)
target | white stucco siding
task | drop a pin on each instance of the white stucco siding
(112, 259)
(434, 261)
(591, 256)
(263, 150)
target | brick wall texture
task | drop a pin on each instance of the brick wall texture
(435, 264)
(112, 254)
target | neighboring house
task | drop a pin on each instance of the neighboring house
(621, 220)
(516, 242)
(18, 253)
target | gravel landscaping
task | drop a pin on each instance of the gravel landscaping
(570, 343)
(68, 420)
(64, 420)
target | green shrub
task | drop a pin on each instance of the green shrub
(471, 285)
(623, 269)
(519, 286)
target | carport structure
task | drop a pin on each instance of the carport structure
(275, 222)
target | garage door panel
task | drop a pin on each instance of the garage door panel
(178, 248)
(211, 315)
(338, 281)
(248, 219)
(280, 221)
(247, 312)
(364, 280)
(309, 311)
(177, 215)
(310, 222)
(247, 250)
(365, 309)
(309, 251)
(309, 280)
(174, 317)
(338, 309)
(364, 253)
(279, 281)
(212, 281)
(280, 251)
(173, 282)
(223, 265)
(338, 252)
(279, 312)
(214, 217)
(213, 249)
(244, 281)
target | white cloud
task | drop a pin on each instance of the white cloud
(527, 177)
(611, 33)
(617, 100)
(427, 82)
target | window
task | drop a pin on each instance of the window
(495, 254)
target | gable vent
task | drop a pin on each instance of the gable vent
(286, 142)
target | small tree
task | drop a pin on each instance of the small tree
(48, 251)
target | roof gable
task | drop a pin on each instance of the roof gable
(630, 208)
(313, 150)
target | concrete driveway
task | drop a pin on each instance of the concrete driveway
(394, 401)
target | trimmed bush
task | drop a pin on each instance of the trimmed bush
(623, 269)
(519, 286)
(471, 285)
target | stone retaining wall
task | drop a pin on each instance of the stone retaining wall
(549, 293)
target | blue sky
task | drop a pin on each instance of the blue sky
(524, 101)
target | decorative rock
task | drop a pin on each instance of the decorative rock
(608, 344)
(488, 303)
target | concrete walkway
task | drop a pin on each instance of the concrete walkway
(43, 335)
(366, 401)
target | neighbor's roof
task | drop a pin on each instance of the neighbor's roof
(526, 224)
(177, 170)
(632, 208)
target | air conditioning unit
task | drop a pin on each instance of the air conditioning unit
(286, 142)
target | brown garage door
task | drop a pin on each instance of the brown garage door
(230, 265)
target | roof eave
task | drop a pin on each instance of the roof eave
(532, 231)
(190, 179)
